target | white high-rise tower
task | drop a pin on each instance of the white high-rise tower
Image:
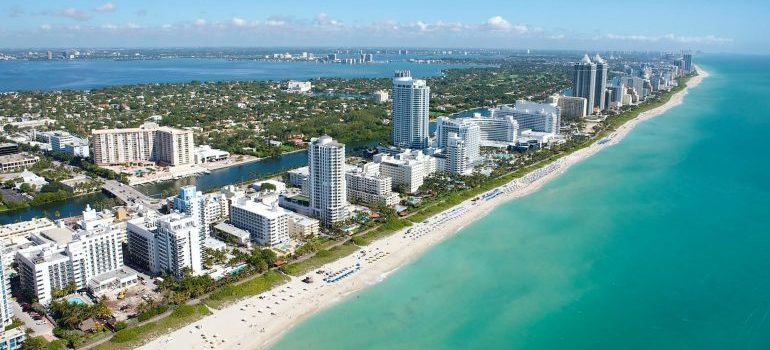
(411, 100)
(326, 180)
(5, 293)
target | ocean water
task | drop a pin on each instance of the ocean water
(660, 242)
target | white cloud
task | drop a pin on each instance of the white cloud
(276, 21)
(106, 7)
(45, 27)
(498, 23)
(238, 22)
(422, 26)
(324, 20)
(672, 38)
(200, 22)
(73, 13)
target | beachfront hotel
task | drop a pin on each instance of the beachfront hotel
(411, 100)
(60, 257)
(326, 180)
(538, 117)
(458, 152)
(206, 208)
(466, 130)
(148, 143)
(367, 185)
(166, 244)
(407, 169)
(267, 224)
(572, 108)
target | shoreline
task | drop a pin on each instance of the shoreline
(259, 321)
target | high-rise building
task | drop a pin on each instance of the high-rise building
(411, 101)
(688, 62)
(573, 108)
(458, 159)
(148, 143)
(63, 257)
(5, 292)
(190, 201)
(266, 224)
(584, 81)
(167, 244)
(468, 131)
(601, 83)
(326, 180)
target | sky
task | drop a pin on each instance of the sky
(712, 26)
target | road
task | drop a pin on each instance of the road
(130, 195)
(40, 328)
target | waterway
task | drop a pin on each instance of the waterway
(659, 242)
(87, 74)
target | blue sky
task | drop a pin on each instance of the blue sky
(716, 26)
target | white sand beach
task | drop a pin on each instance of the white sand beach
(258, 321)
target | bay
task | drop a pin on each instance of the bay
(86, 74)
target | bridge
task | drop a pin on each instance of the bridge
(130, 195)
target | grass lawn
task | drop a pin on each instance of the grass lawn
(133, 337)
(231, 293)
(320, 258)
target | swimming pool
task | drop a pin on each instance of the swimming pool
(75, 301)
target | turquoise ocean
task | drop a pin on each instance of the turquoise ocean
(659, 242)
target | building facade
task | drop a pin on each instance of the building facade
(326, 180)
(458, 158)
(602, 67)
(57, 265)
(407, 170)
(166, 244)
(540, 117)
(367, 185)
(409, 116)
(149, 143)
(465, 129)
(266, 224)
(584, 81)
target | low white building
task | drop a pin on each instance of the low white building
(297, 87)
(380, 96)
(407, 170)
(28, 177)
(206, 154)
(12, 339)
(267, 224)
(25, 228)
(366, 184)
(302, 226)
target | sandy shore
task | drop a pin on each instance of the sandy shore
(258, 321)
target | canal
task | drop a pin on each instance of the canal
(205, 182)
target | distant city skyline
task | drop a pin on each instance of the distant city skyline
(654, 25)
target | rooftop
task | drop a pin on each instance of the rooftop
(259, 208)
